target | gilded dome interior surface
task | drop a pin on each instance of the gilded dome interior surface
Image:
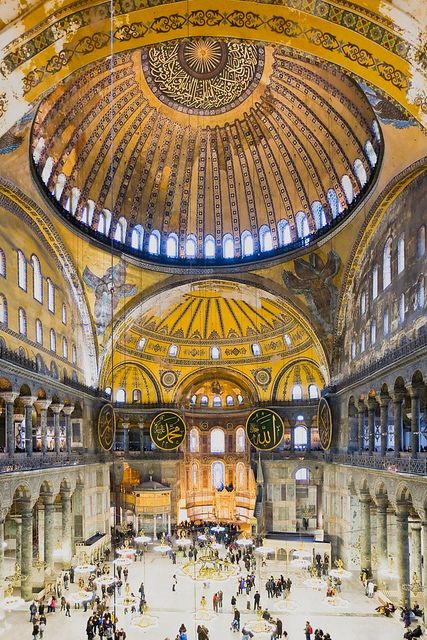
(205, 150)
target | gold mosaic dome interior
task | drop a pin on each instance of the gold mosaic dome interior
(205, 150)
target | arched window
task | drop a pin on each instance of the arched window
(302, 475)
(376, 130)
(215, 353)
(347, 187)
(119, 232)
(37, 278)
(217, 402)
(194, 475)
(217, 441)
(50, 295)
(362, 342)
(84, 216)
(136, 396)
(256, 349)
(194, 441)
(240, 440)
(313, 391)
(373, 332)
(386, 322)
(265, 238)
(2, 263)
(121, 395)
(353, 349)
(101, 223)
(154, 243)
(191, 246)
(39, 331)
(209, 249)
(67, 205)
(401, 254)
(387, 264)
(65, 348)
(229, 401)
(172, 246)
(107, 391)
(141, 344)
(362, 303)
(47, 169)
(3, 309)
(22, 321)
(22, 271)
(64, 314)
(74, 354)
(370, 153)
(284, 232)
(247, 242)
(420, 293)
(218, 475)
(334, 203)
(38, 150)
(173, 350)
(193, 400)
(137, 237)
(239, 398)
(303, 229)
(375, 282)
(421, 241)
(204, 400)
(54, 370)
(300, 437)
(240, 476)
(360, 172)
(318, 214)
(228, 246)
(402, 308)
(297, 392)
(288, 340)
(53, 340)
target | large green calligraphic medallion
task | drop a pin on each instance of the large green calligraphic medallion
(106, 427)
(167, 430)
(264, 429)
(324, 423)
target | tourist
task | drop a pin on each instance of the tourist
(416, 610)
(235, 623)
(308, 630)
(215, 602)
(33, 611)
(202, 632)
(174, 582)
(67, 610)
(42, 627)
(182, 632)
(233, 603)
(35, 630)
(257, 599)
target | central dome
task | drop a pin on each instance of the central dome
(203, 151)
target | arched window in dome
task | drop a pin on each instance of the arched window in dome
(37, 278)
(121, 395)
(194, 441)
(215, 353)
(239, 398)
(54, 370)
(22, 321)
(386, 322)
(387, 264)
(107, 215)
(120, 230)
(360, 172)
(141, 344)
(84, 216)
(334, 203)
(74, 354)
(362, 342)
(218, 475)
(107, 391)
(67, 204)
(313, 391)
(50, 295)
(370, 153)
(353, 349)
(265, 238)
(137, 237)
(300, 437)
(204, 401)
(373, 332)
(47, 169)
(64, 314)
(228, 246)
(288, 340)
(247, 243)
(363, 303)
(154, 243)
(59, 186)
(217, 402)
(402, 308)
(256, 349)
(2, 263)
(3, 309)
(172, 246)
(38, 150)
(193, 400)
(421, 241)
(136, 396)
(101, 223)
(376, 130)
(302, 224)
(420, 297)
(191, 246)
(90, 211)
(375, 282)
(39, 331)
(229, 401)
(22, 271)
(240, 440)
(209, 247)
(318, 214)
(347, 187)
(65, 348)
(217, 441)
(284, 232)
(297, 392)
(53, 340)
(74, 200)
(173, 350)
(401, 254)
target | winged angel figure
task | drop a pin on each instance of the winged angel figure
(313, 279)
(105, 303)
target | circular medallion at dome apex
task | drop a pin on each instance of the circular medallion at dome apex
(203, 76)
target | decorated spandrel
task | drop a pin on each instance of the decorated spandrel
(167, 430)
(324, 423)
(106, 427)
(264, 429)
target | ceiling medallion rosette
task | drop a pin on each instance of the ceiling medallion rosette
(203, 76)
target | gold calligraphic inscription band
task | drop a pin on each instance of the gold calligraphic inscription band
(106, 427)
(264, 429)
(167, 430)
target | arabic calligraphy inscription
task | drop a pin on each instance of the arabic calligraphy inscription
(264, 429)
(167, 430)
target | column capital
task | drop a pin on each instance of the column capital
(361, 406)
(398, 397)
(402, 509)
(381, 502)
(415, 389)
(9, 396)
(384, 400)
(42, 404)
(365, 497)
(49, 499)
(28, 401)
(372, 403)
(68, 409)
(56, 407)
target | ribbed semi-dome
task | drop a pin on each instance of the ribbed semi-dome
(206, 150)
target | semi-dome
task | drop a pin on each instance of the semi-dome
(206, 150)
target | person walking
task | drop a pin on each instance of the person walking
(67, 610)
(308, 630)
(257, 599)
(174, 582)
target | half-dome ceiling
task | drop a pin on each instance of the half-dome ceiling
(206, 150)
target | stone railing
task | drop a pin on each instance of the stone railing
(23, 462)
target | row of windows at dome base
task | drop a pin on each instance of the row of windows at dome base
(217, 439)
(215, 352)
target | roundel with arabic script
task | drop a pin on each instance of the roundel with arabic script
(324, 423)
(264, 429)
(167, 430)
(106, 427)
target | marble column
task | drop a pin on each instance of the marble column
(398, 423)
(292, 437)
(372, 404)
(416, 558)
(27, 550)
(28, 402)
(67, 411)
(56, 409)
(361, 409)
(365, 538)
(66, 528)
(382, 547)
(3, 514)
(42, 407)
(402, 553)
(424, 578)
(384, 402)
(49, 531)
(18, 540)
(9, 398)
(141, 437)
(125, 426)
(414, 392)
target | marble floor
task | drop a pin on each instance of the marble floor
(352, 618)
